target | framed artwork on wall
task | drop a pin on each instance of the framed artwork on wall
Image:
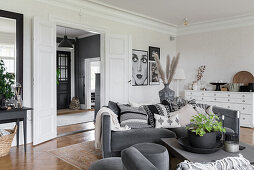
(153, 74)
(139, 68)
(153, 50)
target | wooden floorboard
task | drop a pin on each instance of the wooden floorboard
(36, 157)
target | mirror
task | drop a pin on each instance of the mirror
(11, 43)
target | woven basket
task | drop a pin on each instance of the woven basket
(5, 142)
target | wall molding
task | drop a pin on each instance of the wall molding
(219, 24)
(85, 7)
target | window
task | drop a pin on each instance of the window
(7, 54)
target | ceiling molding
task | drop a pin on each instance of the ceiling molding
(84, 7)
(220, 24)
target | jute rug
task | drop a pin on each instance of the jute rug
(80, 155)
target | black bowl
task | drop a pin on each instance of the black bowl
(184, 142)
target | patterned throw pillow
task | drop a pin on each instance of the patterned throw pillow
(159, 109)
(166, 121)
(133, 117)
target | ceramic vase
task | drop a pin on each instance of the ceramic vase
(166, 93)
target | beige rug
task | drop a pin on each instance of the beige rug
(80, 155)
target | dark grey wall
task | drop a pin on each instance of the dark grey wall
(88, 47)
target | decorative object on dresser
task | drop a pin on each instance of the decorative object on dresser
(139, 68)
(167, 93)
(244, 77)
(234, 87)
(240, 101)
(179, 75)
(218, 84)
(196, 84)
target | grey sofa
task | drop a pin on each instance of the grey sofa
(114, 142)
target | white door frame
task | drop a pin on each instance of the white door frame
(87, 80)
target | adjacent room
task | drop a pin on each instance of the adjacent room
(126, 85)
(78, 77)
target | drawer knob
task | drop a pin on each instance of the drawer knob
(190, 97)
(244, 118)
(229, 100)
(214, 94)
(243, 95)
(228, 95)
(214, 99)
(202, 93)
(202, 98)
(243, 101)
(228, 106)
(243, 108)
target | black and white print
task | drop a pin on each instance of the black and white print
(139, 68)
(153, 74)
(153, 50)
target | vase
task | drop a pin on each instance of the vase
(166, 93)
(196, 85)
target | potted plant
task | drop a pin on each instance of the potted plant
(6, 82)
(203, 130)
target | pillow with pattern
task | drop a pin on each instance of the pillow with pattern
(159, 109)
(166, 121)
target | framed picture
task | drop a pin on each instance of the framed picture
(139, 68)
(153, 74)
(153, 50)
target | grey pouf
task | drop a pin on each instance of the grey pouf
(113, 163)
(155, 153)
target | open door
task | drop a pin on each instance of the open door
(44, 74)
(117, 68)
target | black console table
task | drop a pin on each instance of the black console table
(16, 115)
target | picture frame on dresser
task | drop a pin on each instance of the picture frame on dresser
(240, 101)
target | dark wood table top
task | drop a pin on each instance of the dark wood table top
(174, 148)
(16, 110)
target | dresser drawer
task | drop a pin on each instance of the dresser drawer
(192, 93)
(240, 95)
(246, 120)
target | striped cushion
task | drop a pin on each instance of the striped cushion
(133, 117)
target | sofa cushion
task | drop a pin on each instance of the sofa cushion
(185, 114)
(114, 107)
(159, 109)
(171, 121)
(133, 117)
(124, 139)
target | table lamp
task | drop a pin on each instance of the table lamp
(179, 75)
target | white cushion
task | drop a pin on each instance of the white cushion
(185, 114)
(166, 122)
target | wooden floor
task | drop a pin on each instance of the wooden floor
(37, 158)
(71, 111)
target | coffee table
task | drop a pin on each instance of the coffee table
(174, 148)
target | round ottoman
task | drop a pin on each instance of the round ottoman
(155, 153)
(113, 163)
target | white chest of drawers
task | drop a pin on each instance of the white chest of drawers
(242, 101)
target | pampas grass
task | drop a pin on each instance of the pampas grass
(170, 68)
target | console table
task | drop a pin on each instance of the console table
(240, 101)
(16, 115)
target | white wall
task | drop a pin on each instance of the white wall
(141, 39)
(224, 52)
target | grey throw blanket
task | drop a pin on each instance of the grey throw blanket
(229, 163)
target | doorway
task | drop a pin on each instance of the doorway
(72, 116)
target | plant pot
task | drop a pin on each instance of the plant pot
(207, 141)
(1, 99)
(166, 93)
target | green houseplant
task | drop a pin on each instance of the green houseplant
(203, 130)
(6, 82)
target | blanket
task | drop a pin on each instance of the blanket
(229, 163)
(114, 125)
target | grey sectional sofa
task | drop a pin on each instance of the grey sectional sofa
(114, 142)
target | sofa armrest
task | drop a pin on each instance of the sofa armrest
(134, 160)
(106, 135)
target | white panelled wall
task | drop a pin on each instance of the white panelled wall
(142, 38)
